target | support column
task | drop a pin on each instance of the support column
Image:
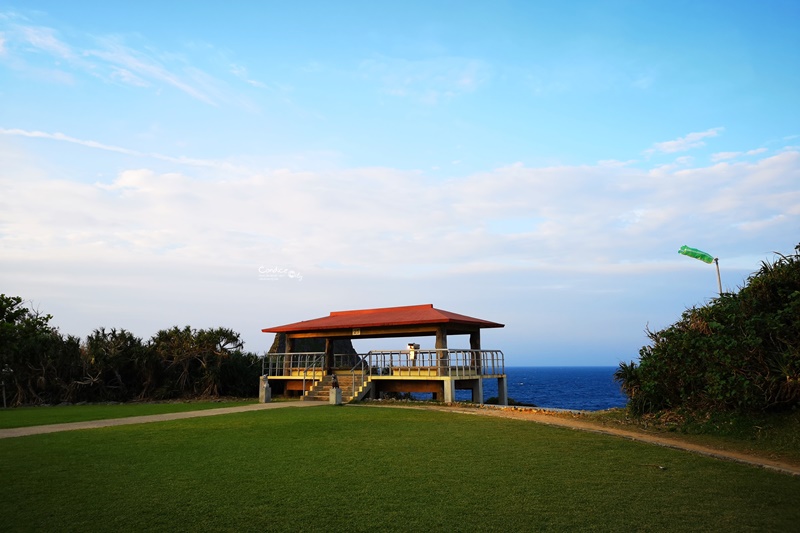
(475, 344)
(441, 337)
(477, 392)
(449, 390)
(328, 355)
(443, 361)
(288, 346)
(502, 391)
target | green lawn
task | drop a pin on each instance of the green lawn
(773, 435)
(41, 416)
(375, 469)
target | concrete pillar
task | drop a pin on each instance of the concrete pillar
(287, 367)
(443, 357)
(328, 355)
(449, 390)
(502, 391)
(477, 391)
(264, 391)
(475, 344)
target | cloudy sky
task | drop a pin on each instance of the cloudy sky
(537, 164)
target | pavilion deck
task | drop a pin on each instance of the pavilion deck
(439, 371)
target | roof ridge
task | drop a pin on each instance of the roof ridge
(379, 309)
(406, 318)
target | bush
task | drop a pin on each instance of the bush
(41, 366)
(741, 352)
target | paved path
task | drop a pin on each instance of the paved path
(92, 424)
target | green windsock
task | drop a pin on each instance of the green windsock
(697, 254)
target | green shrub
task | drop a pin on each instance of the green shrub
(42, 366)
(741, 352)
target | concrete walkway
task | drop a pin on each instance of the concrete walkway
(93, 424)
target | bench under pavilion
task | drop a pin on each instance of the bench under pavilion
(440, 371)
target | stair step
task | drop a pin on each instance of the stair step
(351, 386)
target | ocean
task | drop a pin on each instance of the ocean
(589, 388)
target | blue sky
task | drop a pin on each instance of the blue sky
(536, 164)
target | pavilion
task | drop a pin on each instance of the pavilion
(440, 370)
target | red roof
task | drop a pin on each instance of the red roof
(411, 315)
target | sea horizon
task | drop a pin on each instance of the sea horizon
(584, 388)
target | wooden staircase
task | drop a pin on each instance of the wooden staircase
(321, 392)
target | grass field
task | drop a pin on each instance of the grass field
(375, 469)
(772, 435)
(40, 416)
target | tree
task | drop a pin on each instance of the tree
(114, 364)
(214, 346)
(175, 351)
(47, 367)
(41, 360)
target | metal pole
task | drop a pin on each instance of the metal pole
(719, 279)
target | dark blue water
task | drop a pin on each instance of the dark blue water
(589, 388)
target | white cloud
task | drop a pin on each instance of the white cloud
(109, 58)
(430, 81)
(66, 138)
(682, 144)
(367, 236)
(45, 39)
(666, 169)
(127, 77)
(373, 218)
(723, 156)
(241, 73)
(615, 163)
(143, 65)
(208, 163)
(760, 225)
